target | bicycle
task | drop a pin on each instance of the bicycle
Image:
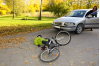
(51, 53)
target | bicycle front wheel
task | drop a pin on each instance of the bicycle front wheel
(49, 57)
(63, 38)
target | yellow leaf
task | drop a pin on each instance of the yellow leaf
(80, 53)
(94, 64)
(2, 64)
(96, 53)
(36, 56)
(37, 59)
(82, 62)
(87, 61)
(50, 63)
(26, 62)
(38, 64)
(90, 62)
(32, 56)
(71, 64)
(94, 48)
(85, 48)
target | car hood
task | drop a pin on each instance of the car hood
(68, 19)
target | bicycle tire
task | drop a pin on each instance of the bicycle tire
(64, 38)
(46, 52)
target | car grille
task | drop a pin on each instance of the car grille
(58, 23)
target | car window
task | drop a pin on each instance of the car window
(76, 14)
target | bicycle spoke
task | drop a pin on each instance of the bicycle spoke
(63, 38)
(51, 56)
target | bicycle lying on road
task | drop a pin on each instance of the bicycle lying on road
(51, 52)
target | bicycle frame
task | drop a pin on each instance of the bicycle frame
(50, 50)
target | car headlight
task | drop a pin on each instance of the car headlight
(69, 24)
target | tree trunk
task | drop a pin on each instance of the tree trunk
(40, 10)
(13, 10)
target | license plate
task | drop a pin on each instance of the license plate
(57, 26)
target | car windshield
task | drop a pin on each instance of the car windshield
(76, 14)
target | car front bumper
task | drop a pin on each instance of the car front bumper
(71, 28)
(67, 28)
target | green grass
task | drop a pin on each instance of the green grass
(9, 26)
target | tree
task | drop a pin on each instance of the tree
(16, 5)
(59, 8)
(3, 8)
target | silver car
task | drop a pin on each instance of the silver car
(77, 21)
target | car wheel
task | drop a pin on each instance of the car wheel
(79, 29)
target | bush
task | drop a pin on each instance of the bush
(60, 8)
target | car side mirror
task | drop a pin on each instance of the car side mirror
(89, 16)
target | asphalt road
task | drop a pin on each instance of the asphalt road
(83, 50)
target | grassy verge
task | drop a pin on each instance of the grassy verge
(9, 26)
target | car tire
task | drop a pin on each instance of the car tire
(79, 29)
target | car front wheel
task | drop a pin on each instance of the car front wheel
(79, 29)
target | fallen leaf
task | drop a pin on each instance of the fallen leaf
(64, 47)
(37, 59)
(85, 48)
(36, 56)
(80, 53)
(87, 61)
(38, 64)
(96, 53)
(26, 61)
(79, 56)
(71, 64)
(75, 49)
(56, 54)
(94, 48)
(94, 64)
(50, 63)
(2, 64)
(82, 62)
(90, 62)
(77, 62)
(32, 56)
(25, 55)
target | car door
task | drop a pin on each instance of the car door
(92, 21)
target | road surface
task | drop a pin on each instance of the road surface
(83, 50)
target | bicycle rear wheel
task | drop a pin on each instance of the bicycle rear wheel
(63, 38)
(49, 57)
